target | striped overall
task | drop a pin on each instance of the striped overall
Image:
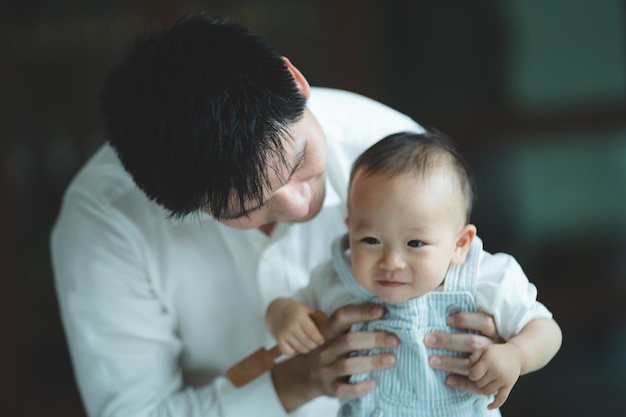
(412, 387)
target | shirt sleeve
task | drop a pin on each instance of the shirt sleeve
(504, 291)
(325, 291)
(122, 337)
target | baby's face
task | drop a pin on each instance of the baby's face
(403, 232)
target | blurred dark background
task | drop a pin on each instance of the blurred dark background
(534, 92)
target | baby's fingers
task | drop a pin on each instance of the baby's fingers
(303, 343)
(312, 333)
(295, 343)
(286, 348)
(478, 372)
(501, 397)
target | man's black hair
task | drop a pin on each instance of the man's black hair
(198, 112)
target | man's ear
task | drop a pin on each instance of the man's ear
(347, 222)
(463, 244)
(303, 84)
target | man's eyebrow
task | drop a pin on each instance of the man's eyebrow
(300, 156)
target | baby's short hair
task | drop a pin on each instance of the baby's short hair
(416, 153)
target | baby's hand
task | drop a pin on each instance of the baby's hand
(292, 326)
(496, 368)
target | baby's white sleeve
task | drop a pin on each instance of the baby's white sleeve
(325, 290)
(504, 291)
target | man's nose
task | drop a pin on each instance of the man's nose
(290, 202)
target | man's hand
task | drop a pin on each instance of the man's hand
(327, 369)
(462, 342)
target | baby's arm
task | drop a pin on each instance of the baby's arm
(291, 325)
(497, 367)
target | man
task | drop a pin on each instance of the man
(224, 177)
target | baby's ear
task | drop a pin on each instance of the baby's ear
(463, 244)
(347, 222)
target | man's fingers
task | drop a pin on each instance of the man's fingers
(462, 383)
(343, 390)
(450, 364)
(346, 316)
(335, 361)
(358, 364)
(342, 369)
(355, 341)
(457, 342)
(338, 364)
(480, 322)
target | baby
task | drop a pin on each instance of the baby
(411, 248)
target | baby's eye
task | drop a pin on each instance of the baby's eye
(370, 240)
(415, 243)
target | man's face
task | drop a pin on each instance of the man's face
(298, 188)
